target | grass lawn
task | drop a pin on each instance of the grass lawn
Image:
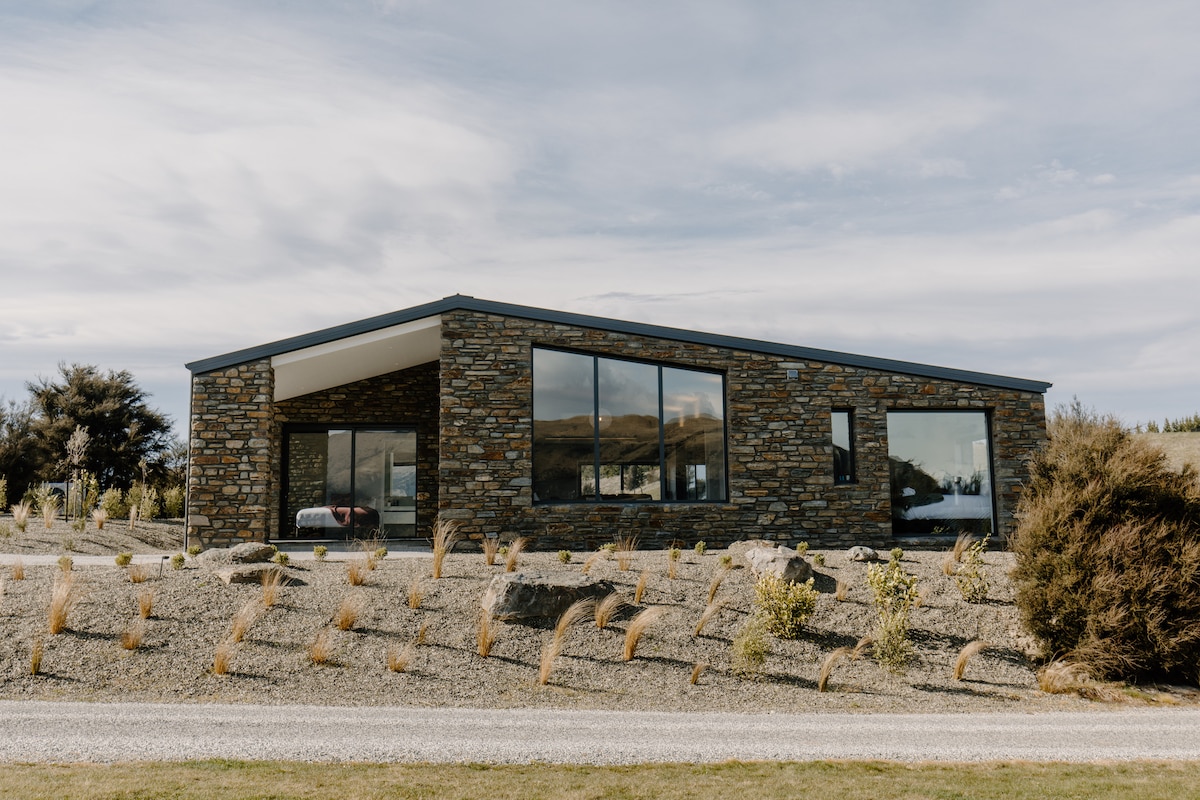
(729, 781)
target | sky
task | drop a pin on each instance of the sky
(1008, 187)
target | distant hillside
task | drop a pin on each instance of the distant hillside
(1181, 448)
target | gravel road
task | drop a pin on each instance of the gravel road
(103, 732)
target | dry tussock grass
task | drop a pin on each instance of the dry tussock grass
(132, 636)
(37, 652)
(965, 655)
(244, 618)
(718, 577)
(485, 634)
(348, 612)
(17, 572)
(63, 598)
(607, 608)
(638, 626)
(145, 601)
(574, 613)
(139, 573)
(697, 671)
(320, 649)
(223, 657)
(842, 592)
(711, 610)
(416, 594)
(640, 589)
(446, 534)
(399, 659)
(271, 583)
(356, 572)
(626, 545)
(1066, 677)
(490, 546)
(512, 557)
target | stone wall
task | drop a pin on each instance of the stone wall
(781, 483)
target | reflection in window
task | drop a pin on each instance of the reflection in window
(843, 446)
(348, 484)
(606, 429)
(941, 474)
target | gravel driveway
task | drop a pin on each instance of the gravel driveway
(103, 732)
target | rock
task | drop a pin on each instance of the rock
(532, 595)
(781, 562)
(245, 553)
(738, 550)
(862, 553)
(254, 573)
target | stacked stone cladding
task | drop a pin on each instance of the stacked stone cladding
(231, 494)
(780, 472)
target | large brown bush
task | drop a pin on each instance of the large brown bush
(1108, 552)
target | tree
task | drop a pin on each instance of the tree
(123, 430)
(18, 459)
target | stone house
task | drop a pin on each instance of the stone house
(576, 429)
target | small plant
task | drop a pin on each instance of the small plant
(897, 554)
(710, 611)
(697, 671)
(272, 581)
(281, 558)
(243, 619)
(145, 603)
(719, 573)
(640, 589)
(320, 552)
(399, 658)
(726, 560)
(69, 545)
(49, 508)
(133, 516)
(514, 552)
(961, 544)
(964, 655)
(853, 653)
(608, 547)
(112, 503)
(802, 549)
(638, 626)
(36, 652)
(841, 592)
(21, 512)
(63, 598)
(783, 605)
(422, 633)
(348, 612)
(607, 608)
(1067, 677)
(490, 546)
(320, 649)
(575, 612)
(416, 594)
(485, 634)
(700, 549)
(949, 564)
(194, 550)
(148, 503)
(502, 550)
(178, 560)
(99, 516)
(123, 559)
(5, 530)
(623, 549)
(564, 556)
(380, 553)
(17, 572)
(357, 569)
(446, 534)
(223, 657)
(750, 649)
(818, 559)
(599, 555)
(132, 636)
(65, 563)
(895, 592)
(139, 573)
(971, 580)
(673, 556)
(172, 502)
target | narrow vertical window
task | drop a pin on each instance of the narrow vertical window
(843, 446)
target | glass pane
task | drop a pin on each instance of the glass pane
(694, 434)
(940, 472)
(843, 447)
(318, 497)
(385, 483)
(564, 433)
(628, 428)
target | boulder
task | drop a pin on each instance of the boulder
(862, 553)
(782, 562)
(533, 595)
(244, 553)
(738, 550)
(254, 573)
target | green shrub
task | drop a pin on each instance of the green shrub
(124, 559)
(750, 649)
(113, 503)
(281, 558)
(177, 561)
(784, 606)
(148, 504)
(701, 548)
(726, 560)
(970, 577)
(894, 592)
(1107, 552)
(802, 549)
(818, 559)
(381, 553)
(564, 556)
(320, 551)
(172, 502)
(194, 550)
(3, 492)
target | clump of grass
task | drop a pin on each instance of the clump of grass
(281, 558)
(490, 546)
(485, 634)
(673, 556)
(700, 549)
(697, 671)
(348, 612)
(853, 653)
(145, 603)
(750, 649)
(320, 552)
(37, 652)
(320, 649)
(1067, 677)
(949, 564)
(961, 544)
(607, 608)
(21, 512)
(515, 549)
(400, 658)
(65, 563)
(575, 612)
(446, 534)
(356, 571)
(802, 549)
(640, 589)
(416, 594)
(223, 657)
(710, 611)
(422, 633)
(123, 559)
(818, 559)
(177, 561)
(638, 626)
(139, 573)
(271, 584)
(380, 553)
(50, 511)
(63, 598)
(726, 560)
(194, 550)
(17, 571)
(623, 550)
(842, 592)
(132, 636)
(244, 618)
(564, 556)
(970, 578)
(964, 655)
(100, 517)
(718, 576)
(591, 561)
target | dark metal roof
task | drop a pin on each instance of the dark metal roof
(466, 303)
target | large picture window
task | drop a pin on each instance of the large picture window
(607, 429)
(347, 483)
(941, 472)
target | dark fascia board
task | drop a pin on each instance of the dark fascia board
(460, 302)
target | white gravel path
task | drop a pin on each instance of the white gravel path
(103, 732)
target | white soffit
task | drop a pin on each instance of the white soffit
(356, 358)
